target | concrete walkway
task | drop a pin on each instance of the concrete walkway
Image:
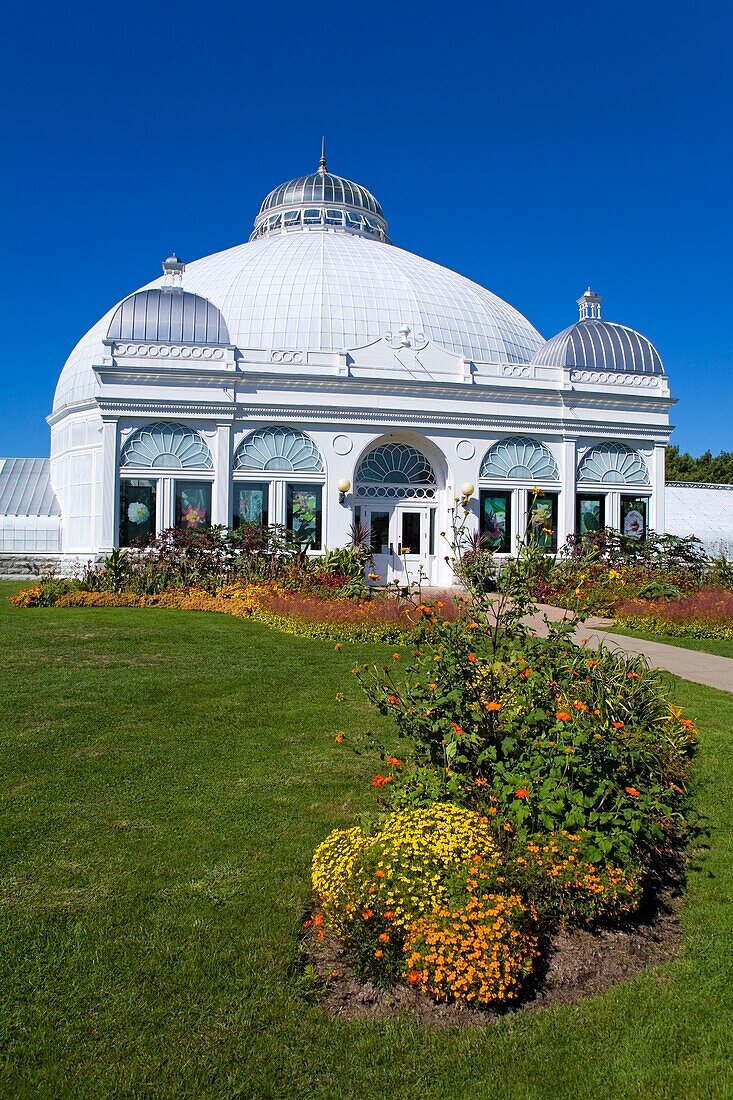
(690, 664)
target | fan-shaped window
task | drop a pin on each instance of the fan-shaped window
(395, 470)
(517, 459)
(613, 464)
(279, 450)
(166, 447)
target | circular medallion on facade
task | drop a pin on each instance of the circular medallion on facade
(342, 444)
(465, 449)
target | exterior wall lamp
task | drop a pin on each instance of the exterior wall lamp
(467, 491)
(343, 486)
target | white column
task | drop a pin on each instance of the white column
(656, 516)
(110, 486)
(222, 475)
(566, 510)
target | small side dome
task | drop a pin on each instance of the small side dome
(593, 344)
(168, 315)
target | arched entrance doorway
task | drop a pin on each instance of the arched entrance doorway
(396, 498)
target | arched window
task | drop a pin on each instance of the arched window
(166, 447)
(519, 458)
(278, 450)
(612, 464)
(395, 470)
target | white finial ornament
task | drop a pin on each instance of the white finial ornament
(173, 269)
(589, 305)
(322, 162)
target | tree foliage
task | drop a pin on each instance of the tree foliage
(708, 468)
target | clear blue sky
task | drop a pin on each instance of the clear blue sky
(534, 147)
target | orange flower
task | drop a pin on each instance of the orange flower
(388, 916)
(339, 645)
(591, 664)
(379, 953)
(395, 656)
(383, 937)
(491, 705)
(413, 977)
(433, 687)
(318, 919)
(307, 923)
(472, 659)
(379, 873)
(394, 700)
(687, 723)
(632, 791)
(617, 725)
(339, 738)
(473, 626)
(334, 974)
(368, 914)
(481, 782)
(562, 716)
(521, 792)
(525, 673)
(579, 705)
(458, 730)
(393, 761)
(633, 676)
(381, 780)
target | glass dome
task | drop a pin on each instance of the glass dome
(321, 200)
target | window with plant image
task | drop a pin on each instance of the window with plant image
(137, 510)
(193, 505)
(495, 520)
(590, 514)
(251, 503)
(634, 516)
(542, 519)
(304, 514)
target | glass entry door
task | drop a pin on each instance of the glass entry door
(400, 541)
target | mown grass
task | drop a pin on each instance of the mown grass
(723, 647)
(166, 777)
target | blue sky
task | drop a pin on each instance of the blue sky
(534, 147)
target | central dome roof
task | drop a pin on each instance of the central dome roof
(330, 287)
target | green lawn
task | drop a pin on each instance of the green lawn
(722, 646)
(166, 777)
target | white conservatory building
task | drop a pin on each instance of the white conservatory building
(319, 374)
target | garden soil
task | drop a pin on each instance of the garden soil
(576, 964)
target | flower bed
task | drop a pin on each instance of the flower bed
(537, 785)
(382, 618)
(704, 614)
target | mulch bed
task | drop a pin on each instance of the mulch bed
(577, 963)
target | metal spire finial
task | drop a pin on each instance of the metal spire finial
(322, 162)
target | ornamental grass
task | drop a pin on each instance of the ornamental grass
(704, 614)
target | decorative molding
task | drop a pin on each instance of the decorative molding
(416, 418)
(618, 378)
(120, 407)
(168, 351)
(286, 357)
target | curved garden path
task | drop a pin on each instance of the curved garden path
(690, 664)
